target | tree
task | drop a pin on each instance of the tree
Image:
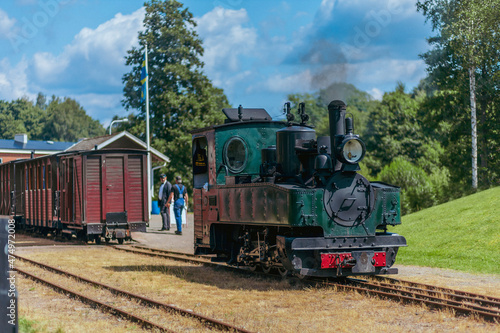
(41, 101)
(470, 30)
(68, 121)
(394, 130)
(9, 125)
(31, 116)
(57, 121)
(182, 98)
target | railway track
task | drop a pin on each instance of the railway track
(115, 293)
(459, 302)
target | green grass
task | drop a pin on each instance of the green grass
(28, 326)
(33, 326)
(463, 235)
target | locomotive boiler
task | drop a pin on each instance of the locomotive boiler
(271, 195)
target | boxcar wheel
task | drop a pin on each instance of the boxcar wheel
(120, 241)
(97, 239)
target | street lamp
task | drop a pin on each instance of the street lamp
(116, 121)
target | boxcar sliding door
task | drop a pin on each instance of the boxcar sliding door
(94, 188)
(67, 197)
(115, 184)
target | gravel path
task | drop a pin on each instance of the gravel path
(478, 283)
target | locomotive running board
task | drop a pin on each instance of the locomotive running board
(351, 243)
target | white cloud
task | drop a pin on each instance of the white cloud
(386, 71)
(49, 67)
(94, 58)
(376, 93)
(229, 82)
(378, 73)
(6, 24)
(88, 70)
(102, 106)
(225, 38)
(13, 80)
(283, 83)
(325, 11)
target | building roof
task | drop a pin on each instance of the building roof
(37, 146)
(118, 140)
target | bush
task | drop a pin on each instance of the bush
(418, 189)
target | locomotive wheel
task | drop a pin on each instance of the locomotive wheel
(120, 241)
(301, 276)
(283, 271)
(107, 239)
(266, 268)
(97, 239)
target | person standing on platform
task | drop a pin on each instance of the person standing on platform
(180, 197)
(163, 196)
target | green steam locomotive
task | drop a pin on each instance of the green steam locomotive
(271, 195)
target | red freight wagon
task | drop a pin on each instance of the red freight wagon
(86, 193)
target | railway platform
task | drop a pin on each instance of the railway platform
(167, 240)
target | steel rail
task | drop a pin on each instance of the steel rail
(483, 298)
(144, 300)
(460, 302)
(416, 296)
(473, 301)
(152, 249)
(186, 257)
(93, 302)
(191, 258)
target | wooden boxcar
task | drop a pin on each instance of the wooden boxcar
(86, 193)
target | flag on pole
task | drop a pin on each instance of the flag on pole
(144, 78)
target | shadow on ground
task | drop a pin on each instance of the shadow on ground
(216, 277)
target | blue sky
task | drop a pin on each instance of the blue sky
(257, 51)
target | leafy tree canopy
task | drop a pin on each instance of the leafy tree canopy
(181, 97)
(68, 121)
(59, 120)
(463, 67)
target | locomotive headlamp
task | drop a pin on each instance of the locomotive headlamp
(351, 150)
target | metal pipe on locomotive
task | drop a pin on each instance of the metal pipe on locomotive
(270, 195)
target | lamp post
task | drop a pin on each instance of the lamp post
(116, 121)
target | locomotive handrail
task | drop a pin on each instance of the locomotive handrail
(225, 168)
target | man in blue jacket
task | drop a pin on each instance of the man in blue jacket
(180, 197)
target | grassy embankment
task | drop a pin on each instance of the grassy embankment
(463, 235)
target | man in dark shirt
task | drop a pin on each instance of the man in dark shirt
(163, 195)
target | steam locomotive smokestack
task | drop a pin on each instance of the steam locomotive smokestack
(336, 113)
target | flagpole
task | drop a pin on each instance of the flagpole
(147, 137)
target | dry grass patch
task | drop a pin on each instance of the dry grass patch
(54, 312)
(257, 304)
